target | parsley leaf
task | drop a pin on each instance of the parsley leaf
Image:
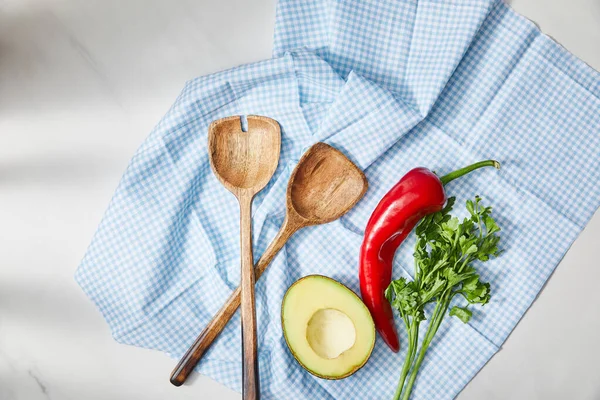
(462, 313)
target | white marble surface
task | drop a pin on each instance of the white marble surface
(81, 86)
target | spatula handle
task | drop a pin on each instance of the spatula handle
(214, 328)
(250, 374)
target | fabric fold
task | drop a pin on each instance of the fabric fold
(365, 121)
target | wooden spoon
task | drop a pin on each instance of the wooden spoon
(324, 186)
(244, 162)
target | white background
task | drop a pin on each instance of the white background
(81, 85)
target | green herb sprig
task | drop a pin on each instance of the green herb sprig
(445, 252)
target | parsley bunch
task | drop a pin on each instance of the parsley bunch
(445, 252)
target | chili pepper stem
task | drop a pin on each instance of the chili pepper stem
(463, 171)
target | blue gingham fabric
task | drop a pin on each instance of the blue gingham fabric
(394, 85)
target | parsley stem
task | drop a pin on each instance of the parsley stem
(438, 315)
(464, 263)
(413, 339)
(463, 171)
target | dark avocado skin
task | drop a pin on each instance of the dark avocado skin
(331, 378)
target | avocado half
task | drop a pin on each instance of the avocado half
(327, 327)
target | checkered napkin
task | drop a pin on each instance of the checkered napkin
(394, 85)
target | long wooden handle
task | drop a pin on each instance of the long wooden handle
(214, 328)
(250, 374)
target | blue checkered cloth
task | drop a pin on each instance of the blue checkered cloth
(394, 85)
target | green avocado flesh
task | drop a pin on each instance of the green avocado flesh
(327, 327)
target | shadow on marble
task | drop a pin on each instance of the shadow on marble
(55, 169)
(48, 305)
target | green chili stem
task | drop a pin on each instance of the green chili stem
(463, 171)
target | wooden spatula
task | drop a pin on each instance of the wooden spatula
(244, 162)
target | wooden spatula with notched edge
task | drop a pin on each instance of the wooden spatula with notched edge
(244, 160)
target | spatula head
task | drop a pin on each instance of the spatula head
(325, 185)
(244, 161)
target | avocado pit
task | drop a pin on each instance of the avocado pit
(330, 333)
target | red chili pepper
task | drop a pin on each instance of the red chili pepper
(418, 193)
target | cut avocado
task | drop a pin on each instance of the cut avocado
(327, 327)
